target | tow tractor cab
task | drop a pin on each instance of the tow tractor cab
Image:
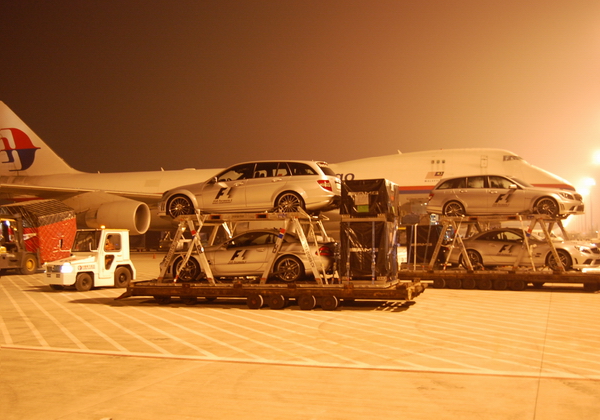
(100, 257)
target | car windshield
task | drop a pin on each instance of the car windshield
(86, 240)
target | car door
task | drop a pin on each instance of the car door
(245, 254)
(471, 191)
(500, 247)
(269, 179)
(505, 196)
(227, 192)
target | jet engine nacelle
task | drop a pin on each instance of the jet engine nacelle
(122, 214)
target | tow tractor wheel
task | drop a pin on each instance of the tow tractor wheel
(307, 302)
(84, 282)
(122, 277)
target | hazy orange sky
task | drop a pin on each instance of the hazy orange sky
(137, 85)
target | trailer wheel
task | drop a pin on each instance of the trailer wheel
(84, 282)
(517, 285)
(162, 300)
(538, 284)
(484, 284)
(469, 283)
(590, 287)
(500, 284)
(189, 300)
(439, 283)
(122, 277)
(255, 301)
(277, 301)
(307, 302)
(454, 283)
(289, 268)
(330, 303)
(29, 264)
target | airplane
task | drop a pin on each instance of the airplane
(29, 169)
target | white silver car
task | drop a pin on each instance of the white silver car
(247, 254)
(502, 247)
(497, 194)
(258, 186)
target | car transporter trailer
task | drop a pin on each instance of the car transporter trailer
(325, 291)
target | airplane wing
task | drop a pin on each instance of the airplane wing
(16, 192)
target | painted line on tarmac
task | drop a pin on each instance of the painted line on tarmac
(468, 372)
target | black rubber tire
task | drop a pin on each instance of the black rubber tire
(288, 202)
(30, 265)
(307, 302)
(255, 301)
(163, 300)
(454, 283)
(122, 277)
(453, 208)
(439, 283)
(565, 258)
(84, 282)
(289, 268)
(484, 284)
(546, 205)
(190, 272)
(469, 283)
(475, 257)
(517, 285)
(330, 303)
(276, 301)
(179, 205)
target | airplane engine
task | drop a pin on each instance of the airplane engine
(122, 214)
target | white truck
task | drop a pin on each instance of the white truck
(99, 257)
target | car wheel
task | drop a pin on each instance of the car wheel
(189, 272)
(476, 260)
(453, 208)
(289, 202)
(547, 206)
(289, 268)
(179, 205)
(564, 258)
(122, 277)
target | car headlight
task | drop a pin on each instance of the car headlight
(583, 249)
(66, 268)
(566, 195)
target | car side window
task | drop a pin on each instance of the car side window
(265, 169)
(499, 182)
(453, 183)
(298, 168)
(476, 182)
(243, 171)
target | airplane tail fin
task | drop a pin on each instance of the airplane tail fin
(22, 152)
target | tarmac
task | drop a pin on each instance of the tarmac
(453, 354)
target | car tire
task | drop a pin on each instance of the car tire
(288, 202)
(179, 205)
(564, 257)
(546, 205)
(190, 272)
(476, 260)
(453, 208)
(289, 269)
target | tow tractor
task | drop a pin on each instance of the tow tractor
(323, 289)
(99, 257)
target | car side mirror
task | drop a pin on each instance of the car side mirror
(513, 187)
(213, 180)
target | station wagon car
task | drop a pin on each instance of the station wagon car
(502, 247)
(497, 194)
(258, 186)
(246, 255)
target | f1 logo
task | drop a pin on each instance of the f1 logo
(238, 257)
(223, 192)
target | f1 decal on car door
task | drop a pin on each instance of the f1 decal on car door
(506, 249)
(503, 200)
(238, 257)
(223, 196)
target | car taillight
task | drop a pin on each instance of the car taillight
(325, 251)
(325, 184)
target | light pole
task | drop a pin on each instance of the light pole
(589, 183)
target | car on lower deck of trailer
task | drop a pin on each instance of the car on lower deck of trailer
(247, 255)
(502, 247)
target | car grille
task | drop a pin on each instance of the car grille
(53, 268)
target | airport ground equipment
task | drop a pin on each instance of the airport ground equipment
(515, 277)
(35, 232)
(324, 290)
(99, 257)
